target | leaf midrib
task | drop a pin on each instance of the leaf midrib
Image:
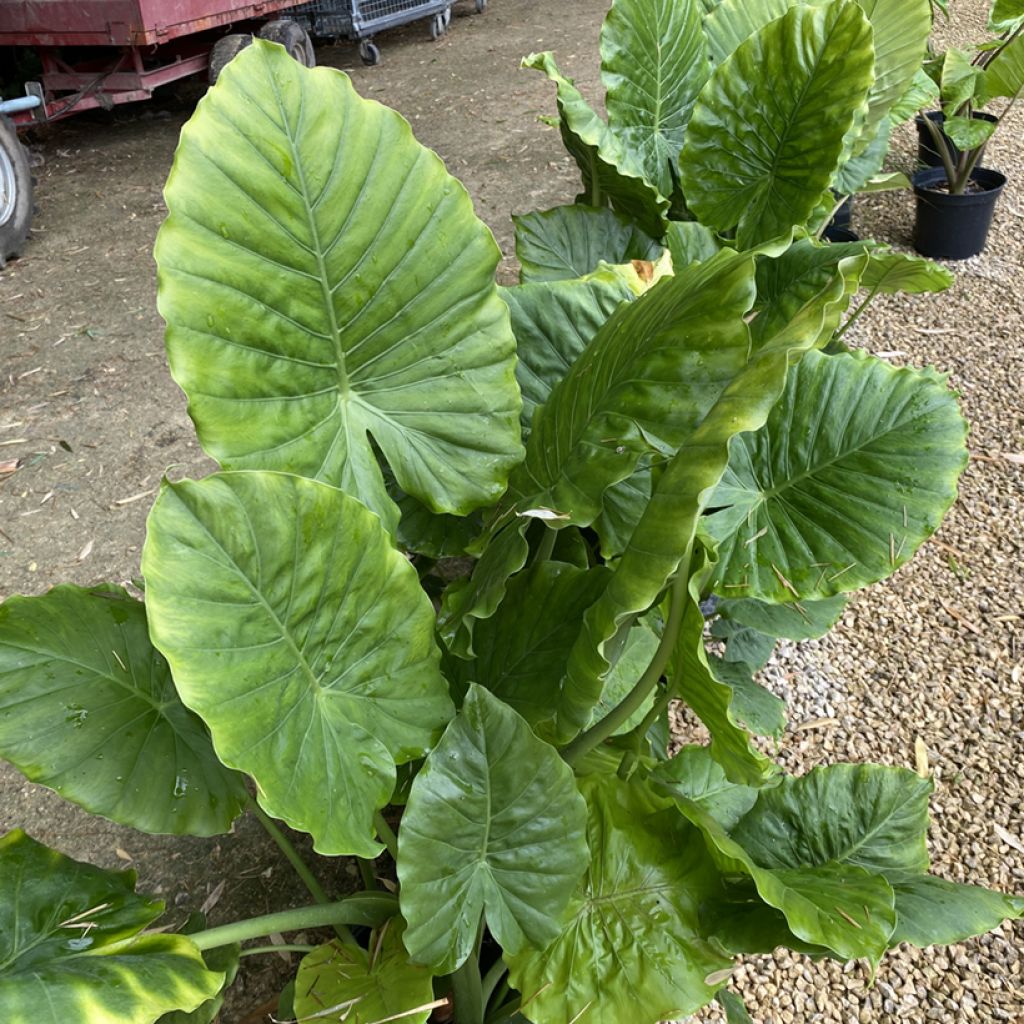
(318, 249)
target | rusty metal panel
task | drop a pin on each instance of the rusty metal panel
(120, 22)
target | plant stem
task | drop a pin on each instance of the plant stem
(467, 992)
(490, 982)
(292, 855)
(366, 873)
(944, 153)
(283, 948)
(369, 909)
(546, 546)
(633, 701)
(387, 836)
(856, 314)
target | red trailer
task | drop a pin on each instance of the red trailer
(98, 53)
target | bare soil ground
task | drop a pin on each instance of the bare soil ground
(87, 404)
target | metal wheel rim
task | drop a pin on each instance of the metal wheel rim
(8, 187)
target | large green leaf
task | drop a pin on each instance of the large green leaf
(900, 30)
(752, 705)
(570, 241)
(88, 708)
(611, 173)
(734, 21)
(759, 166)
(891, 272)
(70, 948)
(645, 380)
(633, 949)
(1006, 15)
(689, 242)
(1005, 75)
(637, 653)
(653, 64)
(872, 816)
(933, 912)
(302, 638)
(363, 987)
(694, 774)
(553, 322)
(796, 621)
(663, 539)
(854, 469)
(522, 649)
(494, 828)
(798, 278)
(224, 959)
(325, 281)
(842, 907)
(858, 171)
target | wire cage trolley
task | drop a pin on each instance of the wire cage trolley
(360, 20)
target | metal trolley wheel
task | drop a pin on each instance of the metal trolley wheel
(369, 53)
(439, 23)
(481, 6)
(15, 192)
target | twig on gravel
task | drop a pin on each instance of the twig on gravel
(961, 618)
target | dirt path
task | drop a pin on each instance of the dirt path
(88, 405)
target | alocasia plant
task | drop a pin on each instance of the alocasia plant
(696, 443)
(750, 120)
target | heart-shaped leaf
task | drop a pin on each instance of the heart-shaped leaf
(633, 949)
(872, 816)
(70, 948)
(761, 168)
(653, 64)
(308, 312)
(88, 708)
(494, 828)
(854, 469)
(284, 597)
(839, 906)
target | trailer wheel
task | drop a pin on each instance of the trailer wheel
(293, 37)
(481, 6)
(15, 192)
(223, 50)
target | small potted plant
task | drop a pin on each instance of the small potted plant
(956, 196)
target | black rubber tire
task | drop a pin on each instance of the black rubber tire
(223, 50)
(16, 206)
(437, 26)
(369, 53)
(293, 37)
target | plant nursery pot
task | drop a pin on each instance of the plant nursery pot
(954, 227)
(926, 152)
(834, 233)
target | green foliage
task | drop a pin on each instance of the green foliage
(71, 948)
(683, 431)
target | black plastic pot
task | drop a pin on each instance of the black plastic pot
(834, 233)
(840, 227)
(926, 152)
(954, 227)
